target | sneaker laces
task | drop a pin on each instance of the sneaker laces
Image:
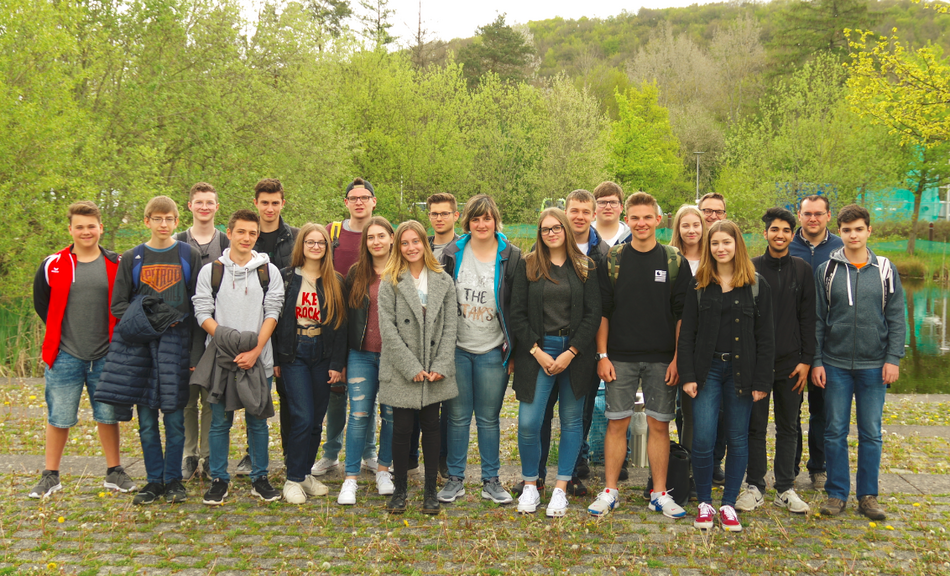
(607, 497)
(706, 509)
(663, 498)
(350, 484)
(730, 513)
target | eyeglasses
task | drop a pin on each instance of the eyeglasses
(359, 199)
(556, 229)
(167, 220)
(202, 204)
(439, 215)
(606, 203)
(312, 243)
(810, 215)
(711, 212)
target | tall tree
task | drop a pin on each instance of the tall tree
(498, 49)
(807, 28)
(331, 15)
(376, 22)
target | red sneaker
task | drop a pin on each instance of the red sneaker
(729, 519)
(704, 518)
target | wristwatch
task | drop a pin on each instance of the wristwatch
(601, 356)
(534, 349)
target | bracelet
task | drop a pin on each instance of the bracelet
(572, 352)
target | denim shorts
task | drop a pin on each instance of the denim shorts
(64, 384)
(659, 399)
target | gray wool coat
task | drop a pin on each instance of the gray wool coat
(413, 341)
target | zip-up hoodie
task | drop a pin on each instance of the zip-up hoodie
(624, 233)
(240, 297)
(853, 331)
(793, 309)
(506, 262)
(814, 256)
(51, 287)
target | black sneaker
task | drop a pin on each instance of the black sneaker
(217, 493)
(443, 467)
(175, 492)
(149, 494)
(263, 490)
(188, 468)
(49, 483)
(244, 466)
(719, 477)
(624, 474)
(576, 488)
(582, 470)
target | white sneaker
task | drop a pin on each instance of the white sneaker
(605, 502)
(749, 499)
(371, 465)
(529, 499)
(313, 487)
(323, 466)
(347, 495)
(663, 502)
(789, 499)
(384, 483)
(294, 493)
(557, 507)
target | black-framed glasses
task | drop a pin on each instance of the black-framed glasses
(711, 212)
(312, 243)
(439, 215)
(556, 229)
(611, 203)
(359, 199)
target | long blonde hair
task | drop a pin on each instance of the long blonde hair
(397, 263)
(708, 271)
(332, 287)
(538, 262)
(677, 240)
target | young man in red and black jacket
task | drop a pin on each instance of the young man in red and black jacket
(71, 294)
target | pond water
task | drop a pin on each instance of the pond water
(926, 366)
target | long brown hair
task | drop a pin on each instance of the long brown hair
(332, 287)
(363, 272)
(398, 264)
(708, 272)
(538, 262)
(677, 240)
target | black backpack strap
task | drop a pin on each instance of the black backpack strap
(217, 273)
(223, 241)
(263, 274)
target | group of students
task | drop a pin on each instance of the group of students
(431, 328)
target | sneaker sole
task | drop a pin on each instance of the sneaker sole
(668, 515)
(271, 499)
(112, 486)
(784, 505)
(559, 513)
(385, 491)
(488, 496)
(52, 489)
(598, 513)
(143, 502)
(732, 528)
(527, 509)
(453, 498)
(432, 511)
(347, 503)
(704, 525)
(176, 499)
(215, 502)
(747, 509)
(322, 471)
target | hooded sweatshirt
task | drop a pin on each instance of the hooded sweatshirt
(854, 331)
(241, 303)
(623, 234)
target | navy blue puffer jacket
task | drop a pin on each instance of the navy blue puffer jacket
(146, 366)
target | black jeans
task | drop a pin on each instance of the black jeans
(417, 431)
(403, 422)
(788, 409)
(816, 429)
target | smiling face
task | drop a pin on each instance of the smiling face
(314, 246)
(204, 205)
(379, 241)
(553, 233)
(722, 246)
(243, 235)
(713, 210)
(643, 221)
(482, 227)
(814, 217)
(412, 247)
(162, 225)
(778, 235)
(85, 230)
(269, 205)
(855, 234)
(580, 215)
(691, 230)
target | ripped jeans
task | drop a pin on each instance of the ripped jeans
(362, 384)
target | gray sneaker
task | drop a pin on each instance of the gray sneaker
(244, 466)
(493, 490)
(119, 480)
(49, 483)
(188, 468)
(818, 480)
(452, 490)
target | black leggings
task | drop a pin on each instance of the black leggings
(403, 421)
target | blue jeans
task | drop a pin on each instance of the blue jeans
(867, 388)
(720, 390)
(362, 375)
(307, 394)
(336, 420)
(531, 416)
(162, 468)
(64, 384)
(219, 442)
(482, 380)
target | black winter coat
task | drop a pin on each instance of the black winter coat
(285, 245)
(285, 336)
(754, 352)
(146, 366)
(527, 320)
(356, 318)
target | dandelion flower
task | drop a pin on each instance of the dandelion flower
(889, 527)
(60, 519)
(872, 525)
(51, 566)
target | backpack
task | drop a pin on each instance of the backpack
(138, 256)
(678, 475)
(335, 228)
(674, 261)
(887, 279)
(217, 274)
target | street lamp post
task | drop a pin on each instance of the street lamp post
(697, 175)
